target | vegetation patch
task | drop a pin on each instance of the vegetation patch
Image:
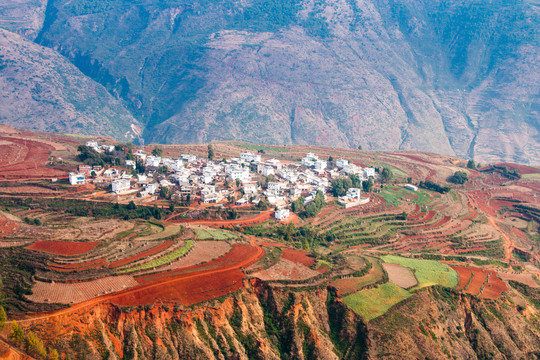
(372, 303)
(427, 272)
(203, 234)
(163, 260)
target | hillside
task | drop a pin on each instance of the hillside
(445, 269)
(452, 77)
(43, 91)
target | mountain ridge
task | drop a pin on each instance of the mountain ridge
(450, 77)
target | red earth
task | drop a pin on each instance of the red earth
(25, 159)
(92, 264)
(298, 256)
(63, 247)
(485, 283)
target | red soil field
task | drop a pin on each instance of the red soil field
(298, 256)
(188, 290)
(63, 247)
(25, 159)
(471, 215)
(494, 286)
(93, 264)
(426, 217)
(486, 280)
(476, 284)
(464, 274)
(156, 249)
(239, 256)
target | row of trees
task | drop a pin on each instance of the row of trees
(341, 185)
(31, 342)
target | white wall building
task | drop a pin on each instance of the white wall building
(249, 157)
(341, 163)
(320, 164)
(77, 179)
(282, 214)
(268, 170)
(151, 188)
(120, 185)
(369, 172)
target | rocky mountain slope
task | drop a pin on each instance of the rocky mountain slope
(43, 91)
(263, 322)
(453, 77)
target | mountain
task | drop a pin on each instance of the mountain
(43, 91)
(455, 77)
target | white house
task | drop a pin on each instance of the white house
(309, 159)
(237, 172)
(250, 188)
(369, 172)
(153, 161)
(93, 144)
(268, 170)
(320, 164)
(282, 214)
(120, 185)
(111, 173)
(77, 179)
(131, 164)
(151, 188)
(209, 194)
(249, 157)
(188, 158)
(341, 163)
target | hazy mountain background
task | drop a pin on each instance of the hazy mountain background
(454, 77)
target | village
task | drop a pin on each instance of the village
(241, 182)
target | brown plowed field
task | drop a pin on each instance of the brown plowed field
(63, 247)
(201, 252)
(7, 227)
(78, 292)
(286, 270)
(524, 278)
(25, 159)
(399, 275)
(298, 256)
(156, 249)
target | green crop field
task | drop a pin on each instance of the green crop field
(372, 303)
(428, 272)
(214, 234)
(178, 253)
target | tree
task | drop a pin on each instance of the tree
(367, 186)
(131, 205)
(211, 154)
(459, 177)
(359, 147)
(35, 345)
(17, 334)
(53, 354)
(298, 205)
(386, 175)
(409, 179)
(471, 164)
(238, 182)
(157, 151)
(330, 158)
(3, 318)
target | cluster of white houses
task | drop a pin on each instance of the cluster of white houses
(190, 178)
